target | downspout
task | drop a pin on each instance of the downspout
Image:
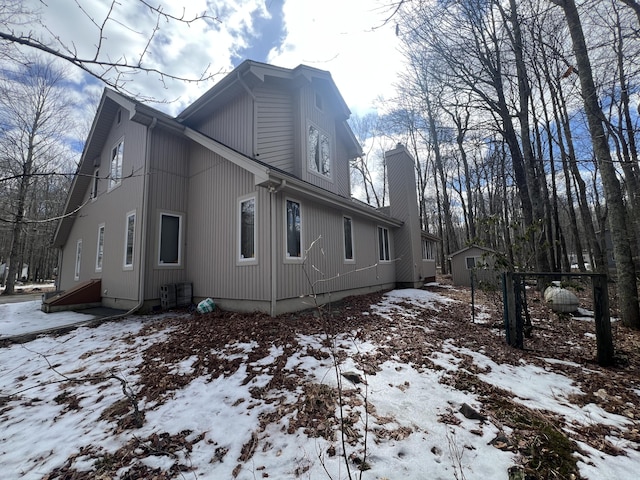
(273, 191)
(143, 235)
(142, 262)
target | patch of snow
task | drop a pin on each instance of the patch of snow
(26, 317)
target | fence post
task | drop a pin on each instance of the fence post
(510, 314)
(602, 320)
(473, 296)
(518, 342)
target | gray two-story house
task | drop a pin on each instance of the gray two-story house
(245, 195)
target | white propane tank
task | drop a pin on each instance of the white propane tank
(560, 299)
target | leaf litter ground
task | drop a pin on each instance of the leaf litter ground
(384, 386)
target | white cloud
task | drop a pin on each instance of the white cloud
(350, 40)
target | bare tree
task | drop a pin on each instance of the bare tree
(368, 171)
(34, 117)
(22, 27)
(627, 286)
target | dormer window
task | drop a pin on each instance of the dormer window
(318, 152)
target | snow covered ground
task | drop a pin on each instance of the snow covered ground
(63, 407)
(25, 317)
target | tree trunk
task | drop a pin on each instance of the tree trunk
(627, 287)
(533, 181)
(450, 239)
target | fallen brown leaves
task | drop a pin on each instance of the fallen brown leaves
(544, 441)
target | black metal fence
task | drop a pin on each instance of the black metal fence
(516, 312)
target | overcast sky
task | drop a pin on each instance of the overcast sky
(349, 38)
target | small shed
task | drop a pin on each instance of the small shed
(477, 260)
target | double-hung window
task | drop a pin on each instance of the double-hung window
(247, 229)
(383, 244)
(294, 229)
(115, 172)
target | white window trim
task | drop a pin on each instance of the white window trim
(388, 244)
(112, 184)
(331, 153)
(180, 236)
(95, 182)
(100, 260)
(251, 260)
(78, 263)
(125, 265)
(287, 258)
(344, 246)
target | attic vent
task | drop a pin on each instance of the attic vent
(318, 101)
(119, 116)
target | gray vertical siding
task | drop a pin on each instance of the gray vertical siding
(322, 232)
(342, 179)
(110, 209)
(215, 187)
(460, 275)
(233, 125)
(168, 184)
(323, 120)
(274, 124)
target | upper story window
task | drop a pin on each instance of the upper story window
(95, 181)
(318, 152)
(115, 173)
